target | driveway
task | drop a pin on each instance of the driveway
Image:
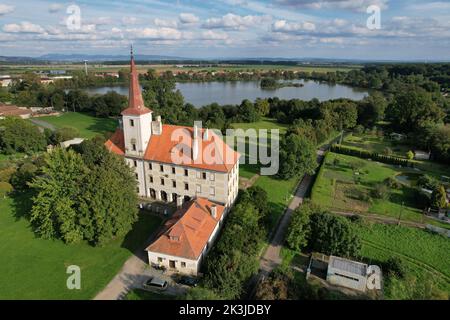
(133, 274)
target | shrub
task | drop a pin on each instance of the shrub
(410, 155)
(359, 129)
(387, 151)
(337, 148)
(392, 183)
(5, 189)
(380, 191)
(395, 266)
(427, 182)
(6, 174)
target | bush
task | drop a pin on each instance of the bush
(395, 266)
(5, 189)
(381, 191)
(427, 182)
(337, 148)
(392, 183)
(6, 174)
(359, 129)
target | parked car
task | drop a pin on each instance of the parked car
(154, 283)
(188, 281)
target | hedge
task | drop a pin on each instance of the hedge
(337, 148)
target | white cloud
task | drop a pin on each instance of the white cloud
(285, 26)
(214, 35)
(432, 5)
(188, 18)
(165, 23)
(55, 7)
(155, 33)
(4, 9)
(129, 20)
(235, 22)
(23, 27)
(354, 5)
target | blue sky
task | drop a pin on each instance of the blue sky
(410, 29)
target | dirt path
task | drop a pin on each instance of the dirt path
(43, 124)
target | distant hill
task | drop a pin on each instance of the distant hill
(89, 57)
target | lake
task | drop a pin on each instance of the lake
(233, 92)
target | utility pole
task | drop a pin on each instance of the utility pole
(85, 67)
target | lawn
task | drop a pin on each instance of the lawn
(89, 126)
(34, 268)
(425, 254)
(339, 187)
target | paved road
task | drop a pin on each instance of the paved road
(133, 274)
(43, 124)
(271, 258)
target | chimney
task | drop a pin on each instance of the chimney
(195, 144)
(206, 134)
(214, 211)
(179, 201)
(157, 126)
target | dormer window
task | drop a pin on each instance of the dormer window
(131, 123)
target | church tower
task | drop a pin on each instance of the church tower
(136, 119)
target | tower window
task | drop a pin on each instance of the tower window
(186, 172)
(162, 181)
(133, 146)
(135, 163)
(186, 186)
(131, 123)
(161, 168)
(174, 184)
(173, 170)
(204, 175)
(150, 166)
(151, 179)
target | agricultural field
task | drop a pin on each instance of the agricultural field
(348, 184)
(88, 126)
(376, 143)
(424, 253)
(34, 268)
(143, 68)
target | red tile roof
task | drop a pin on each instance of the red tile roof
(116, 143)
(165, 148)
(188, 231)
(12, 110)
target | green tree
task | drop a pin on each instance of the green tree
(333, 235)
(439, 197)
(410, 155)
(413, 109)
(262, 106)
(299, 229)
(297, 157)
(54, 213)
(24, 175)
(18, 135)
(63, 134)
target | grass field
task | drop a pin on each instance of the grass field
(425, 254)
(142, 68)
(34, 268)
(88, 125)
(338, 187)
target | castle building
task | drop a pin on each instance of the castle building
(174, 163)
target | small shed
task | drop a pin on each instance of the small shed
(347, 273)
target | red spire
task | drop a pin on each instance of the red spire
(135, 101)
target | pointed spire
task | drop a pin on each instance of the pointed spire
(135, 100)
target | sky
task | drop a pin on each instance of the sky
(341, 29)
